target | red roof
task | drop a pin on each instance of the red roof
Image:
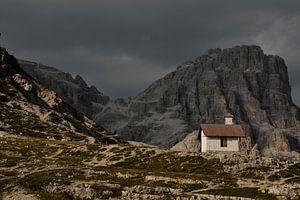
(228, 115)
(212, 130)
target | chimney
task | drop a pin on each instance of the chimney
(228, 119)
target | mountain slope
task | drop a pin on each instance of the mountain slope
(87, 100)
(30, 109)
(242, 80)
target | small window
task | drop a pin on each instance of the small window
(223, 141)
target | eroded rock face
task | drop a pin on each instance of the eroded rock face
(191, 143)
(28, 108)
(85, 99)
(254, 87)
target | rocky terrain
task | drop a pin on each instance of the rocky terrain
(74, 91)
(34, 168)
(30, 109)
(191, 143)
(48, 150)
(242, 80)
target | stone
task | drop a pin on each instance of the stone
(191, 143)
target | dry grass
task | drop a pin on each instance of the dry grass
(38, 164)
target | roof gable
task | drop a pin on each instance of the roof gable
(212, 130)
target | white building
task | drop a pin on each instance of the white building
(221, 137)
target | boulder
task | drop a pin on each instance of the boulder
(191, 143)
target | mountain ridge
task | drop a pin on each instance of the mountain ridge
(75, 91)
(30, 109)
(242, 80)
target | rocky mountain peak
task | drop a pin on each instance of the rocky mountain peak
(242, 80)
(86, 99)
(79, 80)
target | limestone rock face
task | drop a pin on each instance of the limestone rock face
(191, 143)
(87, 100)
(242, 80)
(29, 108)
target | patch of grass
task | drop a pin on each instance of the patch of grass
(94, 147)
(242, 192)
(29, 124)
(172, 163)
(116, 149)
(8, 173)
(184, 187)
(127, 154)
(69, 158)
(294, 169)
(112, 178)
(254, 172)
(115, 158)
(55, 196)
(274, 177)
(249, 175)
(174, 166)
(71, 135)
(293, 180)
(37, 181)
(151, 152)
(10, 162)
(2, 185)
(291, 171)
(115, 192)
(6, 183)
(102, 149)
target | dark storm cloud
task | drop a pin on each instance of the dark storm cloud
(121, 46)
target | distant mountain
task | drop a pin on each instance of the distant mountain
(87, 100)
(242, 80)
(28, 108)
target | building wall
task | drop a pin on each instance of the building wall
(203, 142)
(228, 120)
(214, 144)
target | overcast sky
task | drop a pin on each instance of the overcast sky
(121, 46)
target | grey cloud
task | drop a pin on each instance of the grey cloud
(121, 46)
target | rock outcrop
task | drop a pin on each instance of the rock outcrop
(87, 100)
(242, 80)
(191, 143)
(30, 109)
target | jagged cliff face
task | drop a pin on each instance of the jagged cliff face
(30, 109)
(254, 87)
(86, 100)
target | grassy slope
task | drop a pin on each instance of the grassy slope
(41, 166)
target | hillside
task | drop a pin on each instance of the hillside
(30, 109)
(74, 91)
(39, 169)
